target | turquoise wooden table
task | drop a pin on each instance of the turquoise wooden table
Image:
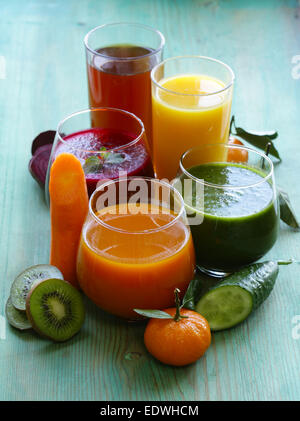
(43, 79)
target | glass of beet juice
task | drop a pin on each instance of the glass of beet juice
(231, 202)
(120, 57)
(116, 146)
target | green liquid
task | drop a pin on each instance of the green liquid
(239, 225)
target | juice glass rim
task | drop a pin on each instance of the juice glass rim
(228, 186)
(193, 57)
(139, 25)
(147, 231)
(90, 110)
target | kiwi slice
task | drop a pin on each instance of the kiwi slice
(15, 317)
(24, 281)
(55, 309)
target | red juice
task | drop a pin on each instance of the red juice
(132, 157)
(123, 84)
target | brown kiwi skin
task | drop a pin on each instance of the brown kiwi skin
(29, 316)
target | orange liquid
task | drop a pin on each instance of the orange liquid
(126, 86)
(121, 271)
(181, 122)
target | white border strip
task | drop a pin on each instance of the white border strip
(2, 328)
(2, 67)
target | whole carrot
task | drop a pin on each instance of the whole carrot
(68, 209)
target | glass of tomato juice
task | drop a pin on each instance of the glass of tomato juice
(135, 246)
(117, 145)
(119, 58)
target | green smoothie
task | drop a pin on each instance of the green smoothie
(239, 224)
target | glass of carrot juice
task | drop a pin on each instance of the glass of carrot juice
(135, 247)
(191, 104)
(120, 57)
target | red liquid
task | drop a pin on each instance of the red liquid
(125, 85)
(136, 161)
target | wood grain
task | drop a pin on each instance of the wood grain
(42, 43)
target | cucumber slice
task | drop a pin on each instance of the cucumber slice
(233, 299)
(16, 318)
(225, 306)
(24, 281)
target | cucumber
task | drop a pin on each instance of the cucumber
(233, 299)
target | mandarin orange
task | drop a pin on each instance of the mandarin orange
(178, 342)
(234, 154)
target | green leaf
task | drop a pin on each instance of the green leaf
(257, 139)
(197, 287)
(92, 165)
(153, 314)
(189, 298)
(104, 155)
(286, 262)
(186, 302)
(272, 134)
(114, 158)
(287, 213)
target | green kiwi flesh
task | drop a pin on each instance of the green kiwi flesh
(24, 281)
(16, 318)
(55, 309)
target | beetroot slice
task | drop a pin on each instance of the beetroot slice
(39, 163)
(42, 139)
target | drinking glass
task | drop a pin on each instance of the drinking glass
(135, 246)
(191, 103)
(119, 58)
(117, 144)
(231, 205)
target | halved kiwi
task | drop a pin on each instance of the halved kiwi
(16, 318)
(24, 281)
(55, 309)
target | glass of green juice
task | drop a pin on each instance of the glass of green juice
(231, 205)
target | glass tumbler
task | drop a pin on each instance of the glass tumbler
(135, 247)
(191, 103)
(231, 205)
(117, 145)
(119, 59)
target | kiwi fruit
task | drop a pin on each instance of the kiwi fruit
(16, 318)
(24, 281)
(55, 309)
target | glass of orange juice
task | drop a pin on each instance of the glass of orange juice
(191, 105)
(135, 247)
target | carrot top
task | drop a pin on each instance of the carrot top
(67, 180)
(68, 210)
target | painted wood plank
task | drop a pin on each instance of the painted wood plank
(43, 81)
